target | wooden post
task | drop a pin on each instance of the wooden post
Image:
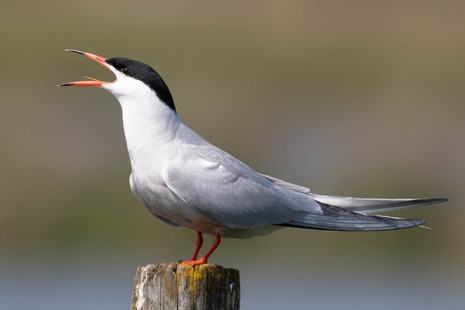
(178, 286)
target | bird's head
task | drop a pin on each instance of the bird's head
(133, 78)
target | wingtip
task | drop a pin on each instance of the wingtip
(438, 200)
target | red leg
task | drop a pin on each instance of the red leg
(198, 245)
(204, 260)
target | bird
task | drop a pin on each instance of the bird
(185, 181)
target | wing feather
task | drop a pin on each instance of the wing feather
(362, 205)
(223, 189)
(226, 190)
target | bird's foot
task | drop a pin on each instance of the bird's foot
(201, 261)
(195, 262)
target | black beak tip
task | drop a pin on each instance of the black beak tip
(75, 51)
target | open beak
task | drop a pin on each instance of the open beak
(91, 82)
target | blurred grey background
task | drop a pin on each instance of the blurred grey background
(359, 98)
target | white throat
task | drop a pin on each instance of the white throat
(149, 124)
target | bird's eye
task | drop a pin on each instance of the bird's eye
(125, 70)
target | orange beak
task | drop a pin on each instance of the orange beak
(92, 82)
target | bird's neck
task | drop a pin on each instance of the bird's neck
(150, 128)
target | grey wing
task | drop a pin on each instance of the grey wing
(287, 185)
(362, 205)
(222, 188)
(373, 205)
(218, 186)
(349, 213)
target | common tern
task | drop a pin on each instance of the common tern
(187, 182)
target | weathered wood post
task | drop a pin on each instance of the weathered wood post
(178, 286)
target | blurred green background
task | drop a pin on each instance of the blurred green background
(359, 98)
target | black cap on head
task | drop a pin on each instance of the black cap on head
(145, 74)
